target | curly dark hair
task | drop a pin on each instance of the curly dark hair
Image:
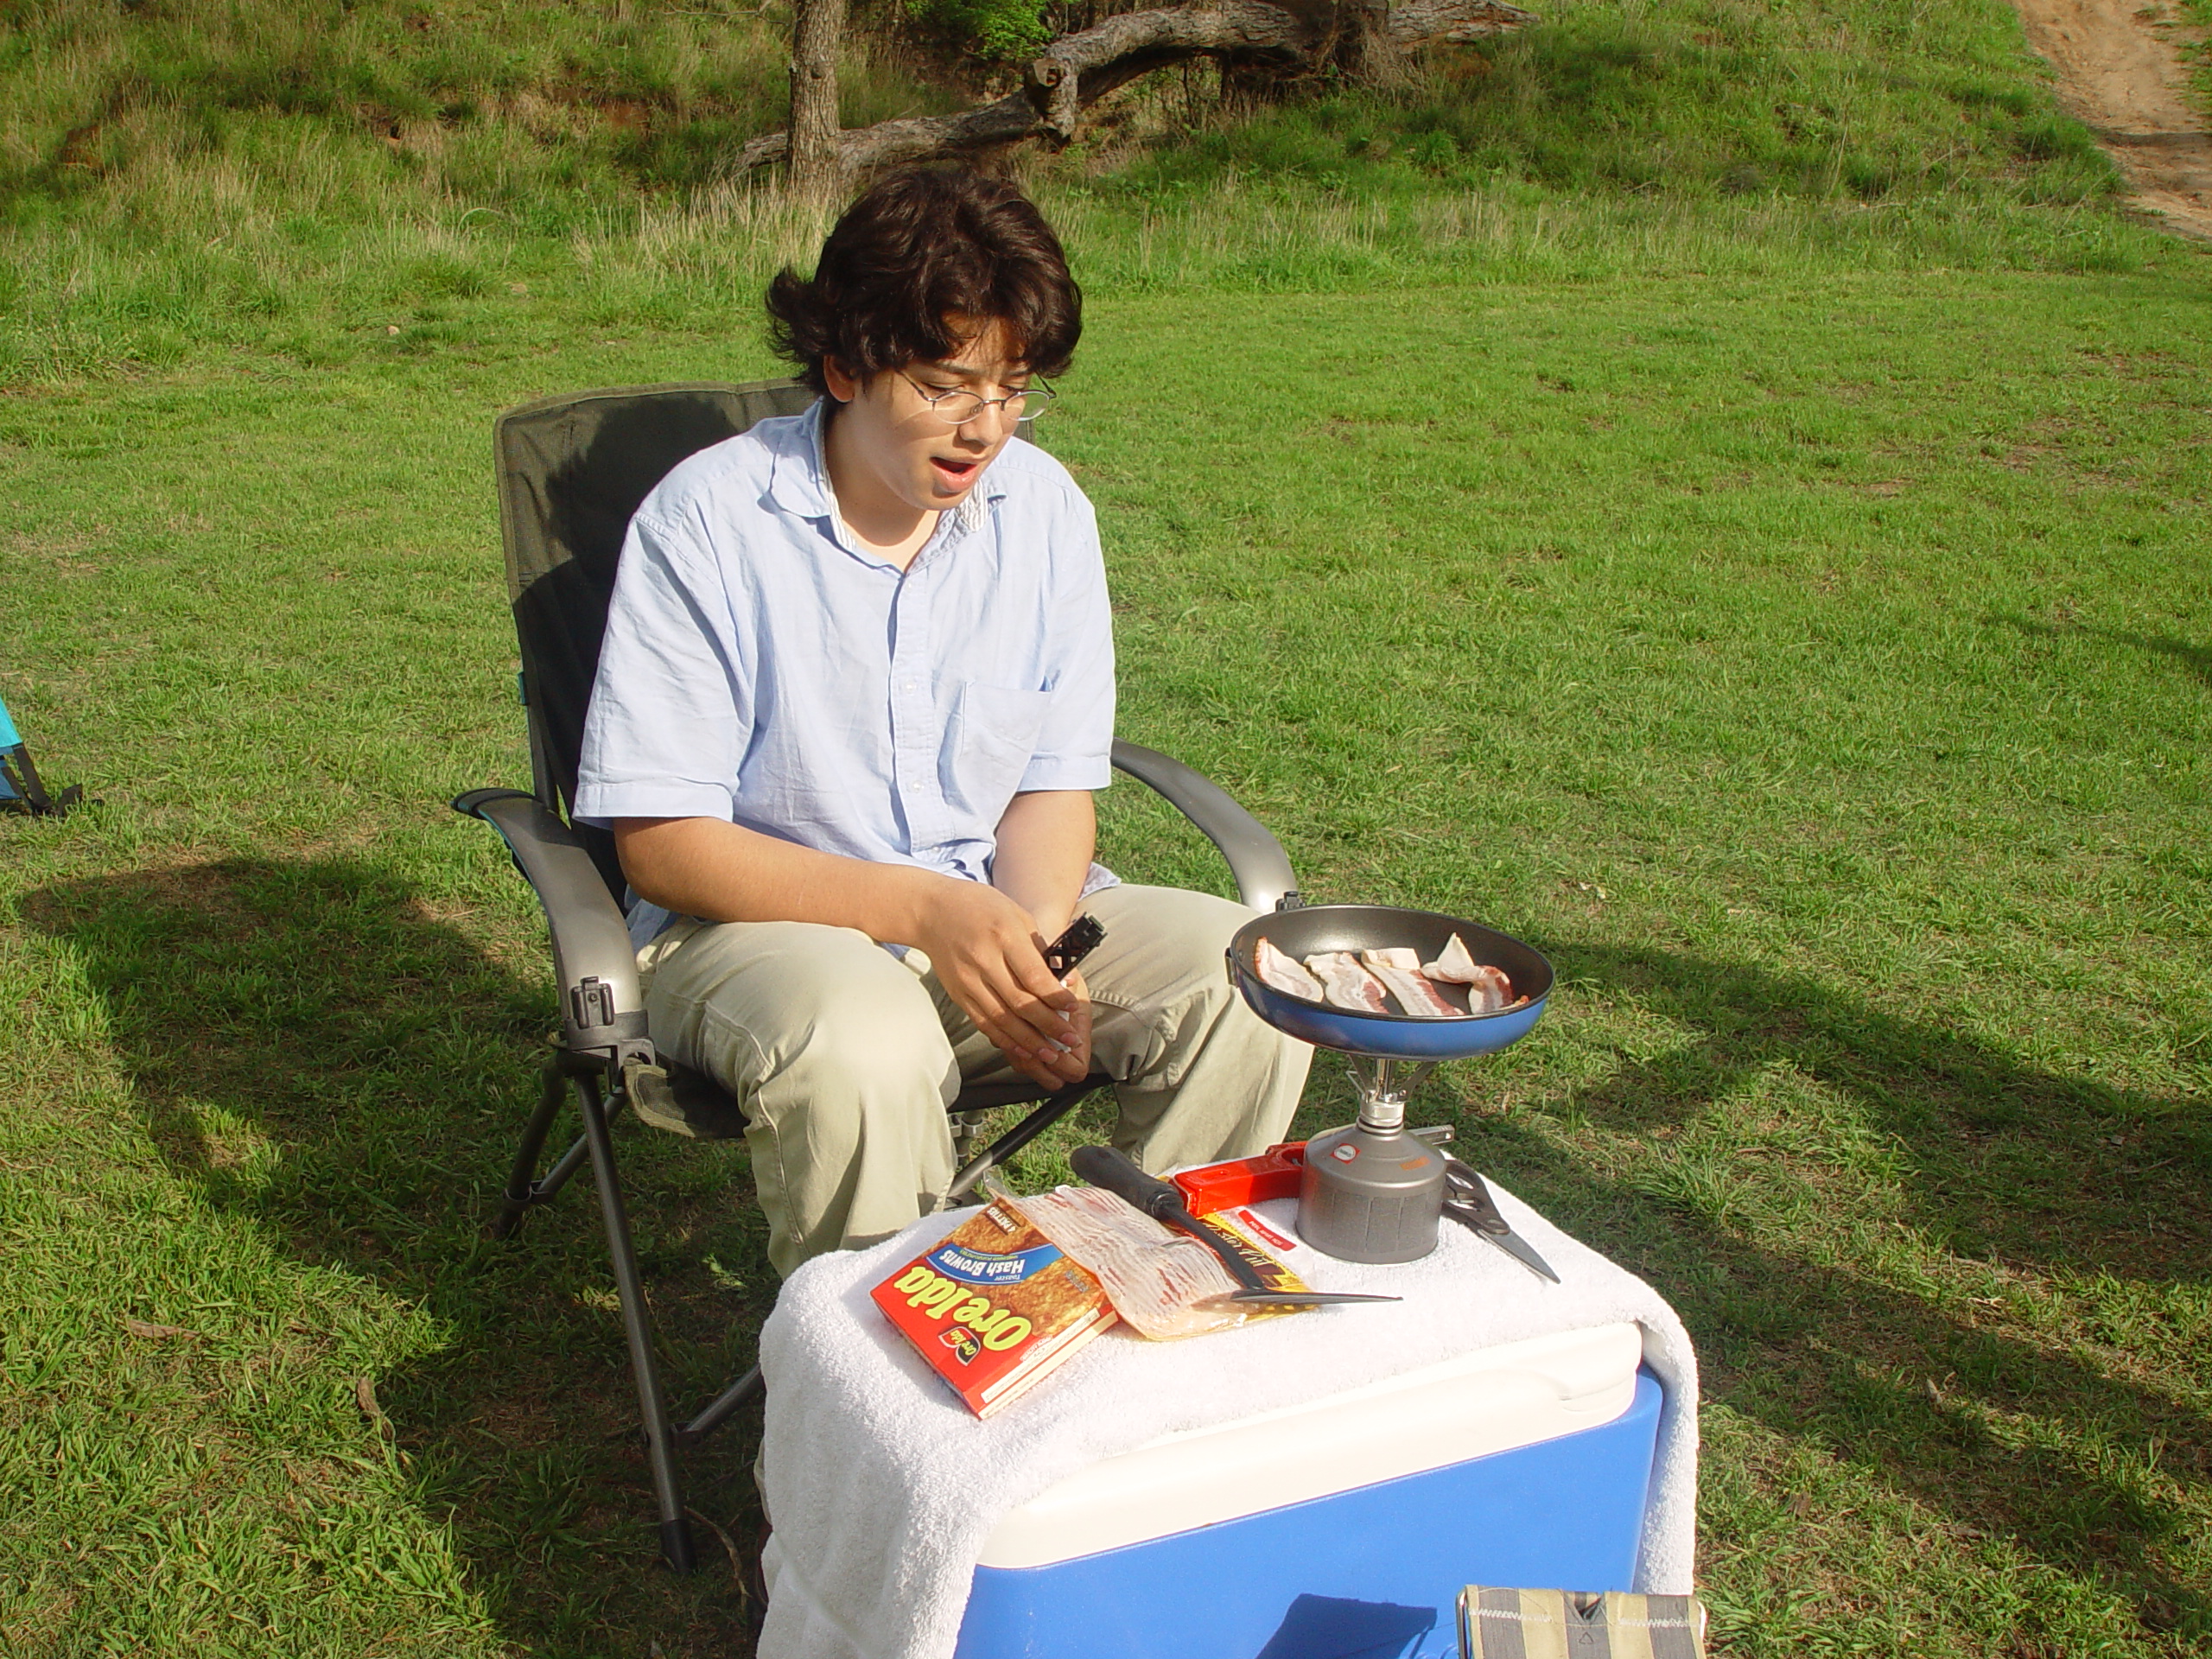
(919, 250)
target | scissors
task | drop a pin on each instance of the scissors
(1467, 1201)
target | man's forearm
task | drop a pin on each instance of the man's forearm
(723, 872)
(1046, 841)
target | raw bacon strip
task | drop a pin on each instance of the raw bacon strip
(1399, 967)
(1347, 984)
(1165, 1284)
(1491, 993)
(1488, 987)
(1285, 974)
(1454, 963)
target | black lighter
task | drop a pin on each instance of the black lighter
(1080, 939)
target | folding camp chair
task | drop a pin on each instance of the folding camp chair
(571, 471)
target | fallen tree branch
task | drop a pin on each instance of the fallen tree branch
(1077, 70)
(1419, 21)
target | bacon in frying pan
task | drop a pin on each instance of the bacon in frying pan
(1399, 969)
(1346, 983)
(1285, 974)
(1488, 987)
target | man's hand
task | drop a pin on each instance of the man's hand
(984, 942)
(989, 957)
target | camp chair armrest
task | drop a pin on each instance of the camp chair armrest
(602, 1005)
(1256, 860)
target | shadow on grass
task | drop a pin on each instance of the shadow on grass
(2017, 1167)
(2197, 660)
(392, 1063)
(1999, 1161)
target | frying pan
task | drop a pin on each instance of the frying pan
(1301, 933)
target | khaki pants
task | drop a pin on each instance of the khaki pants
(846, 1058)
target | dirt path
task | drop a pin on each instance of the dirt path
(2122, 79)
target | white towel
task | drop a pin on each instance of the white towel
(882, 1488)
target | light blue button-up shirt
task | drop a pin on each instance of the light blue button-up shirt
(761, 666)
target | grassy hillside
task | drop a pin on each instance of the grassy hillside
(319, 179)
(539, 110)
(1868, 100)
(527, 107)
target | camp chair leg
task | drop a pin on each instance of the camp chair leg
(1049, 1111)
(522, 1182)
(522, 1192)
(558, 1177)
(719, 1410)
(21, 787)
(675, 1541)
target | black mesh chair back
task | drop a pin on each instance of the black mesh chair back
(572, 470)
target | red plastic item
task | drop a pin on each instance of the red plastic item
(1214, 1187)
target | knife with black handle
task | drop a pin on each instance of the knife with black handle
(1114, 1172)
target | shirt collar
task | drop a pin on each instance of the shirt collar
(799, 478)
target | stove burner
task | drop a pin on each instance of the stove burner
(1372, 1191)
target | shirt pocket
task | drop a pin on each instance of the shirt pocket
(993, 742)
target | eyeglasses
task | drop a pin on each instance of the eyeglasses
(958, 407)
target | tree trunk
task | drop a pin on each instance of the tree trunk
(1297, 37)
(817, 27)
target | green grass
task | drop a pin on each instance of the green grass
(2188, 26)
(532, 109)
(1815, 669)
(1758, 561)
(1869, 100)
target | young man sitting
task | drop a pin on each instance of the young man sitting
(856, 691)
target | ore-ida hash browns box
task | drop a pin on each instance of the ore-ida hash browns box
(994, 1306)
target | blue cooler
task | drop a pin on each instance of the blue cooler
(1343, 1528)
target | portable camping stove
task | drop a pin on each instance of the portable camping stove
(1374, 1190)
